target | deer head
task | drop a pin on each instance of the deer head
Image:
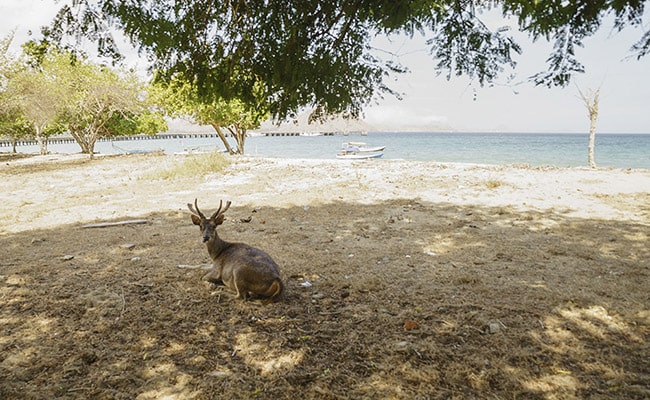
(207, 225)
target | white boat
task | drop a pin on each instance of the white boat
(360, 147)
(357, 156)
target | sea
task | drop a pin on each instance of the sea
(535, 149)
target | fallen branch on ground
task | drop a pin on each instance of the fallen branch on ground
(118, 223)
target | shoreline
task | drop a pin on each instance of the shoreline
(33, 158)
(613, 151)
(66, 189)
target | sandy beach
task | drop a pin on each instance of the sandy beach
(123, 186)
(405, 280)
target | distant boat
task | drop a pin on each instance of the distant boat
(359, 151)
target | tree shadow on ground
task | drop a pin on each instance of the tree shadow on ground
(400, 300)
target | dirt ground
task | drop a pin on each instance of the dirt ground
(459, 282)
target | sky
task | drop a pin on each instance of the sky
(432, 102)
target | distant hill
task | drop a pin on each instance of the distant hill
(300, 125)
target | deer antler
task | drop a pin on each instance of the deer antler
(195, 211)
(219, 210)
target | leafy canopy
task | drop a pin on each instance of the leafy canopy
(179, 98)
(318, 53)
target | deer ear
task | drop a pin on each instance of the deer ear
(219, 219)
(196, 220)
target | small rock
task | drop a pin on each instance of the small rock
(37, 240)
(493, 327)
(67, 258)
(218, 374)
(402, 346)
(15, 280)
(317, 296)
(127, 246)
(136, 259)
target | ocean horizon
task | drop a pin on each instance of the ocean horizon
(619, 150)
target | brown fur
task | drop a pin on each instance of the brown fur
(246, 270)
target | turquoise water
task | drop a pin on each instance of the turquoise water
(563, 150)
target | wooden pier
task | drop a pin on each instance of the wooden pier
(297, 134)
(70, 140)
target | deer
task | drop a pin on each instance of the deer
(249, 272)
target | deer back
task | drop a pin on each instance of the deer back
(243, 266)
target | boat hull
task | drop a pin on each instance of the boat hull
(358, 156)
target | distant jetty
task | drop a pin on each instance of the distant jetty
(160, 136)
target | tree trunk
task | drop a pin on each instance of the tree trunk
(42, 141)
(91, 139)
(240, 136)
(592, 140)
(590, 99)
(223, 138)
(91, 150)
(81, 141)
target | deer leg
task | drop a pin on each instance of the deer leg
(242, 294)
(213, 277)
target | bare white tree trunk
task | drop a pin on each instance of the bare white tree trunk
(592, 138)
(42, 140)
(590, 99)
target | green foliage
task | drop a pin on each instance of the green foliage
(14, 124)
(145, 123)
(317, 52)
(57, 90)
(490, 50)
(180, 98)
(192, 166)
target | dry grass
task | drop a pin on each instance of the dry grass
(191, 166)
(408, 300)
(493, 184)
(409, 297)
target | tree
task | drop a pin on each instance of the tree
(7, 64)
(14, 124)
(318, 52)
(590, 100)
(148, 122)
(97, 101)
(181, 99)
(58, 90)
(12, 121)
(36, 94)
